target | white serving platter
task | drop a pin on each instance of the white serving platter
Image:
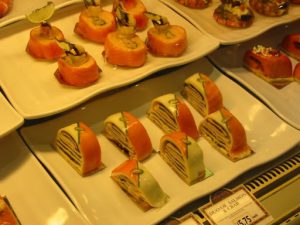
(32, 88)
(32, 193)
(11, 120)
(100, 200)
(284, 102)
(203, 20)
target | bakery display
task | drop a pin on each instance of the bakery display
(183, 154)
(76, 67)
(124, 47)
(171, 114)
(269, 64)
(42, 43)
(226, 134)
(291, 45)
(7, 214)
(139, 184)
(5, 6)
(270, 7)
(79, 146)
(202, 93)
(126, 132)
(197, 4)
(234, 13)
(164, 39)
(95, 23)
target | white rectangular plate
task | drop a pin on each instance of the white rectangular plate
(34, 196)
(34, 91)
(11, 120)
(102, 201)
(203, 19)
(284, 102)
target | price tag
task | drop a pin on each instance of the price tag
(238, 208)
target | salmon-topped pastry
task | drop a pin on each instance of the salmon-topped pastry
(5, 6)
(79, 146)
(95, 23)
(270, 7)
(139, 184)
(76, 67)
(43, 39)
(126, 132)
(170, 114)
(202, 93)
(197, 4)
(164, 39)
(124, 47)
(234, 13)
(269, 64)
(291, 45)
(135, 8)
(7, 214)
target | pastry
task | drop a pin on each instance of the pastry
(79, 146)
(171, 114)
(125, 131)
(76, 67)
(124, 47)
(183, 155)
(226, 134)
(198, 4)
(269, 64)
(291, 45)
(7, 214)
(202, 93)
(164, 39)
(5, 6)
(139, 184)
(95, 23)
(270, 7)
(234, 13)
(134, 8)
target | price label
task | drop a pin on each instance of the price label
(239, 208)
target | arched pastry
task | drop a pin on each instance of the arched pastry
(184, 156)
(7, 215)
(234, 13)
(5, 6)
(171, 114)
(125, 131)
(270, 7)
(79, 146)
(198, 4)
(269, 64)
(164, 39)
(202, 93)
(226, 134)
(139, 184)
(291, 45)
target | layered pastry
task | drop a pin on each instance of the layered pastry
(126, 132)
(5, 6)
(296, 72)
(291, 45)
(139, 184)
(234, 13)
(76, 67)
(164, 39)
(183, 155)
(95, 23)
(197, 4)
(7, 214)
(202, 93)
(270, 7)
(171, 114)
(79, 146)
(124, 47)
(226, 134)
(134, 8)
(269, 64)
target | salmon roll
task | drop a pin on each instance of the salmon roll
(7, 214)
(291, 45)
(79, 146)
(139, 184)
(126, 132)
(171, 114)
(184, 156)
